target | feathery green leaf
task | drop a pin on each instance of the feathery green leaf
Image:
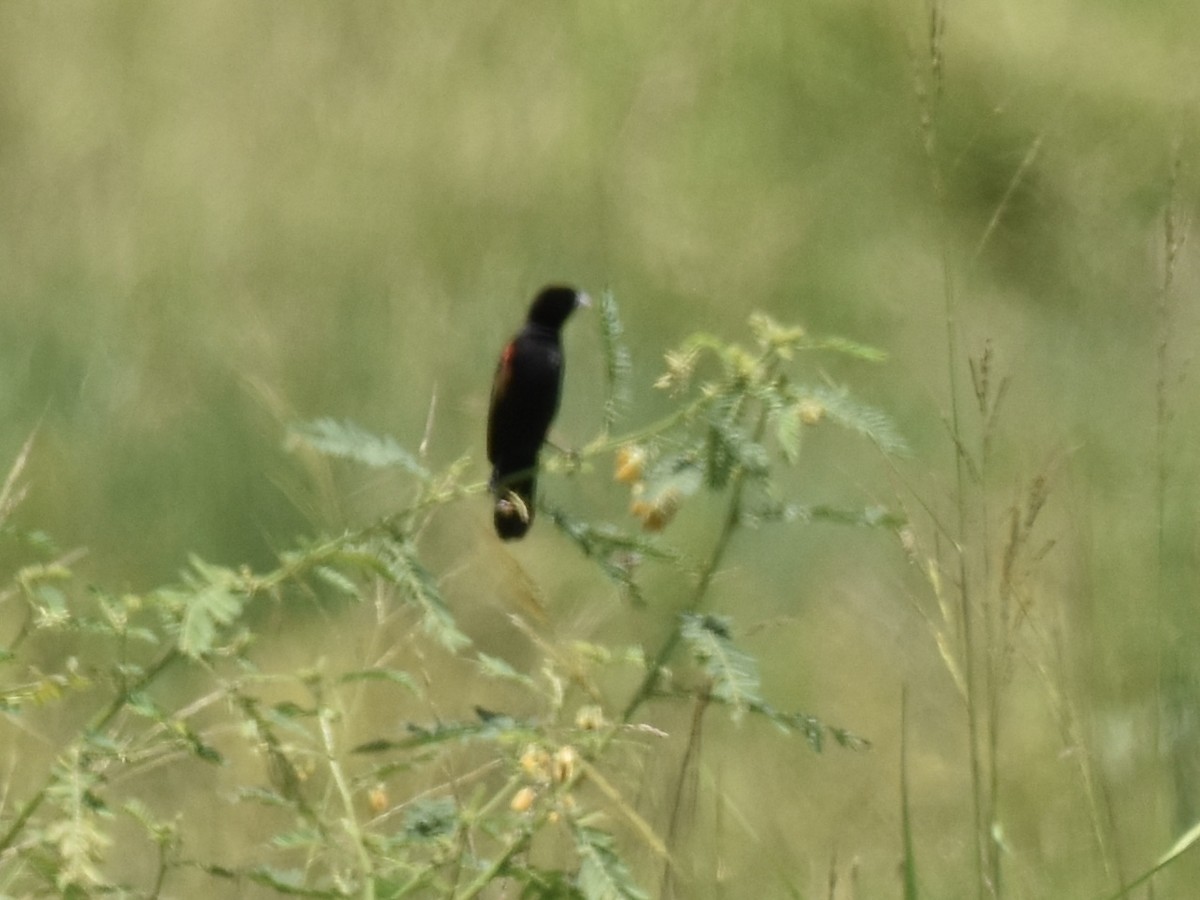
(851, 348)
(401, 566)
(864, 419)
(349, 441)
(734, 673)
(602, 873)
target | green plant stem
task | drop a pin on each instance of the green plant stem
(966, 608)
(733, 514)
(909, 864)
(928, 92)
(605, 444)
(490, 874)
(160, 877)
(1185, 843)
(367, 872)
(690, 754)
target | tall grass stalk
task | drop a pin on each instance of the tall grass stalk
(929, 84)
(1172, 709)
(908, 848)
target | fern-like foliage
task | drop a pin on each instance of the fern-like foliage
(78, 836)
(733, 681)
(861, 418)
(618, 552)
(743, 410)
(349, 441)
(209, 602)
(603, 875)
(732, 673)
(398, 562)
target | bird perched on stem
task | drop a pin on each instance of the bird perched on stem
(525, 395)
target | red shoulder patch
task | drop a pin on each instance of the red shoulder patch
(504, 369)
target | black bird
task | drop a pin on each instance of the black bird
(525, 394)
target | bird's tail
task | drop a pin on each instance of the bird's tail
(513, 512)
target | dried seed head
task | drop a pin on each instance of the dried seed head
(535, 763)
(589, 718)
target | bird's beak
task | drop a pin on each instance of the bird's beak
(582, 299)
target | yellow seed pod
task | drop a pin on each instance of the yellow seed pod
(657, 513)
(811, 411)
(523, 799)
(377, 799)
(631, 463)
(566, 760)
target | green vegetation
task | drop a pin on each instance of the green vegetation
(543, 775)
(257, 262)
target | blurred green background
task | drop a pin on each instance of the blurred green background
(219, 217)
